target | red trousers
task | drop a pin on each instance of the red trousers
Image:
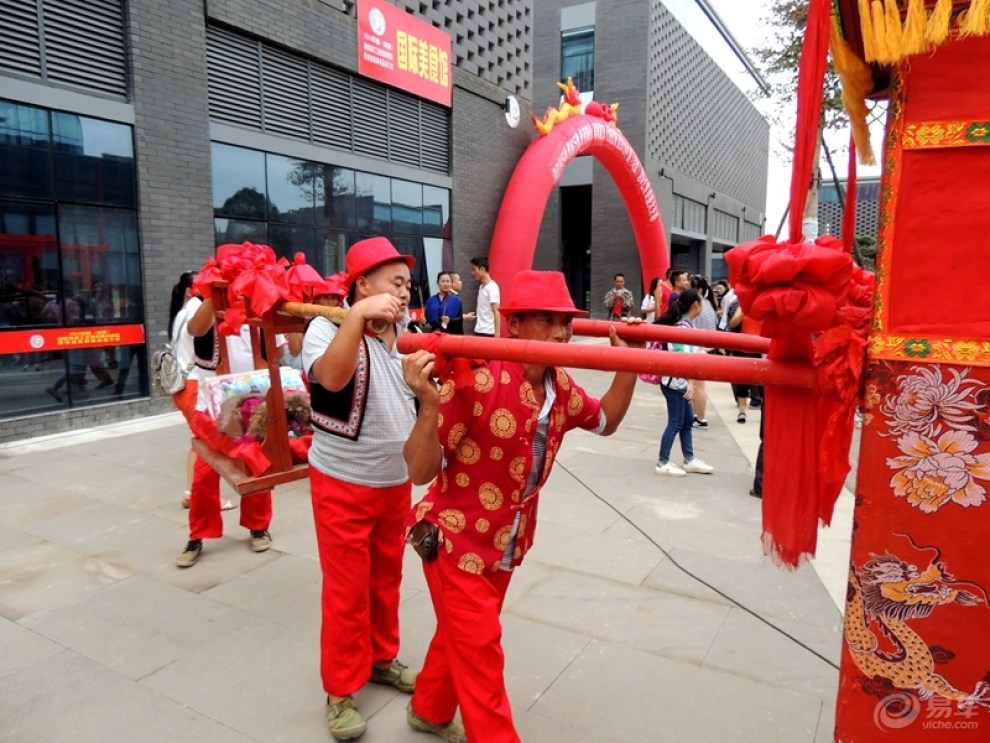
(359, 531)
(205, 521)
(465, 664)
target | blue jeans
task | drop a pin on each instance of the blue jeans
(680, 417)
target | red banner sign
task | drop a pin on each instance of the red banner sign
(398, 49)
(59, 339)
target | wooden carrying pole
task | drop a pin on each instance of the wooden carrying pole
(608, 358)
(671, 334)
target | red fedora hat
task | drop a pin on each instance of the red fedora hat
(539, 291)
(367, 255)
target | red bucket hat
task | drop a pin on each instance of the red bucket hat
(366, 255)
(539, 291)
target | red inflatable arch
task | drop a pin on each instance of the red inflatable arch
(538, 172)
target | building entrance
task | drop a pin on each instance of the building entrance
(575, 235)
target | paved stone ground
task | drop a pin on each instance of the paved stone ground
(645, 612)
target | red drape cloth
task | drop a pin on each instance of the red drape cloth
(814, 305)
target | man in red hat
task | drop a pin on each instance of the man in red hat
(362, 414)
(497, 442)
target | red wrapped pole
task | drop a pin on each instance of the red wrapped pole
(608, 358)
(640, 332)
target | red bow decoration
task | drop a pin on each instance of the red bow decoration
(304, 281)
(255, 274)
(797, 290)
(459, 369)
(202, 285)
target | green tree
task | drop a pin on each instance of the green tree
(779, 58)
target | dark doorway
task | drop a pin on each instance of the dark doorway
(575, 235)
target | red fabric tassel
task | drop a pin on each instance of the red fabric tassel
(796, 291)
(811, 79)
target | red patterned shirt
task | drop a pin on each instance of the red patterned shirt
(486, 432)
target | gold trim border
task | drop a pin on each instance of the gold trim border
(929, 135)
(921, 349)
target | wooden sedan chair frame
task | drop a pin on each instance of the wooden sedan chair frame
(276, 443)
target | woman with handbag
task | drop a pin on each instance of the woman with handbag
(679, 393)
(179, 313)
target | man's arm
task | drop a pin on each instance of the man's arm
(200, 323)
(498, 320)
(422, 451)
(335, 368)
(615, 401)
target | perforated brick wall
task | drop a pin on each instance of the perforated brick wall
(698, 120)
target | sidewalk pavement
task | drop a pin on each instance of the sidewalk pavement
(645, 612)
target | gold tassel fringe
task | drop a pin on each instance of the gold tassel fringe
(938, 23)
(913, 41)
(866, 28)
(977, 21)
(857, 82)
(894, 33)
(884, 53)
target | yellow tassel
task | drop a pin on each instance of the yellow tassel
(977, 21)
(880, 32)
(857, 83)
(938, 22)
(914, 28)
(894, 33)
(866, 29)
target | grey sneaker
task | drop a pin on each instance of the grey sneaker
(187, 558)
(261, 540)
(343, 719)
(396, 675)
(451, 731)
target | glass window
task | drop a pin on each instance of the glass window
(287, 240)
(238, 182)
(100, 259)
(436, 210)
(409, 245)
(238, 231)
(577, 58)
(26, 170)
(373, 202)
(293, 186)
(29, 274)
(94, 160)
(407, 207)
(340, 197)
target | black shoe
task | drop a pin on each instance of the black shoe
(753, 493)
(187, 558)
(755, 404)
(261, 540)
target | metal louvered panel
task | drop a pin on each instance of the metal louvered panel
(331, 103)
(285, 93)
(403, 129)
(435, 139)
(234, 78)
(19, 44)
(369, 117)
(84, 44)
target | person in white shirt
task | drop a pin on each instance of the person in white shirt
(487, 320)
(205, 521)
(648, 309)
